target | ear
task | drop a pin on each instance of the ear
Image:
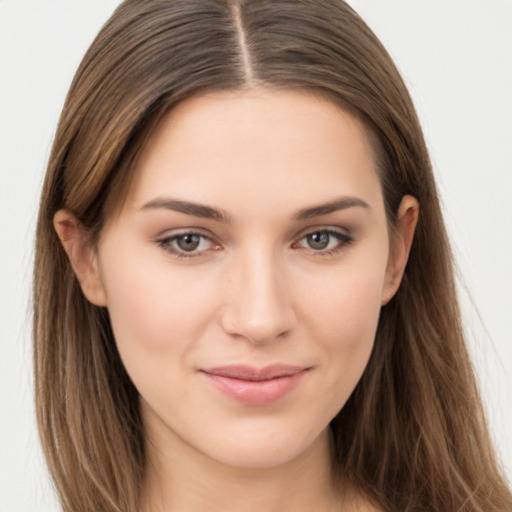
(82, 255)
(401, 242)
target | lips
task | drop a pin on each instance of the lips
(255, 386)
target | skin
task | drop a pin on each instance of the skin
(255, 291)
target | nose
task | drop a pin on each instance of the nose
(259, 306)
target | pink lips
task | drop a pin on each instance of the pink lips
(253, 386)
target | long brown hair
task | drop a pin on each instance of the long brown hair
(412, 436)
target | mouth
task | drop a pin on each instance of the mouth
(255, 386)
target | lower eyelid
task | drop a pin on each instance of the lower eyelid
(343, 239)
(166, 243)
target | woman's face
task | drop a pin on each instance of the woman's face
(245, 273)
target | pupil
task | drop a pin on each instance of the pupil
(188, 242)
(319, 240)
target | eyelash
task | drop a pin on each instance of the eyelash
(166, 244)
(344, 240)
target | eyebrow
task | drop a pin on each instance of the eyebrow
(189, 208)
(333, 206)
(207, 212)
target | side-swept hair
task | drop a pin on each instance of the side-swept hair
(412, 436)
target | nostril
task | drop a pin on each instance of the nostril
(255, 330)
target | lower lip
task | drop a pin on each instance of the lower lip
(250, 392)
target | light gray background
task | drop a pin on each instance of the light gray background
(456, 56)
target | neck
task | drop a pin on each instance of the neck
(184, 480)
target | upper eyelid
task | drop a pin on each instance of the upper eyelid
(168, 235)
(338, 235)
(176, 233)
(315, 229)
(171, 234)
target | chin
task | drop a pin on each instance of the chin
(258, 457)
(265, 449)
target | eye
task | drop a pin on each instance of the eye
(187, 244)
(324, 241)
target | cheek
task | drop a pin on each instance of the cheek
(158, 318)
(153, 309)
(351, 326)
(345, 309)
(343, 315)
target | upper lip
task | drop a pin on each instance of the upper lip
(251, 373)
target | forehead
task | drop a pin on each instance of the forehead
(258, 145)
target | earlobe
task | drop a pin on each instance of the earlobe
(407, 218)
(82, 255)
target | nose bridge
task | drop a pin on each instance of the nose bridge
(259, 303)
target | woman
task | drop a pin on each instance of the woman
(236, 315)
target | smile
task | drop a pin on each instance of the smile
(253, 386)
